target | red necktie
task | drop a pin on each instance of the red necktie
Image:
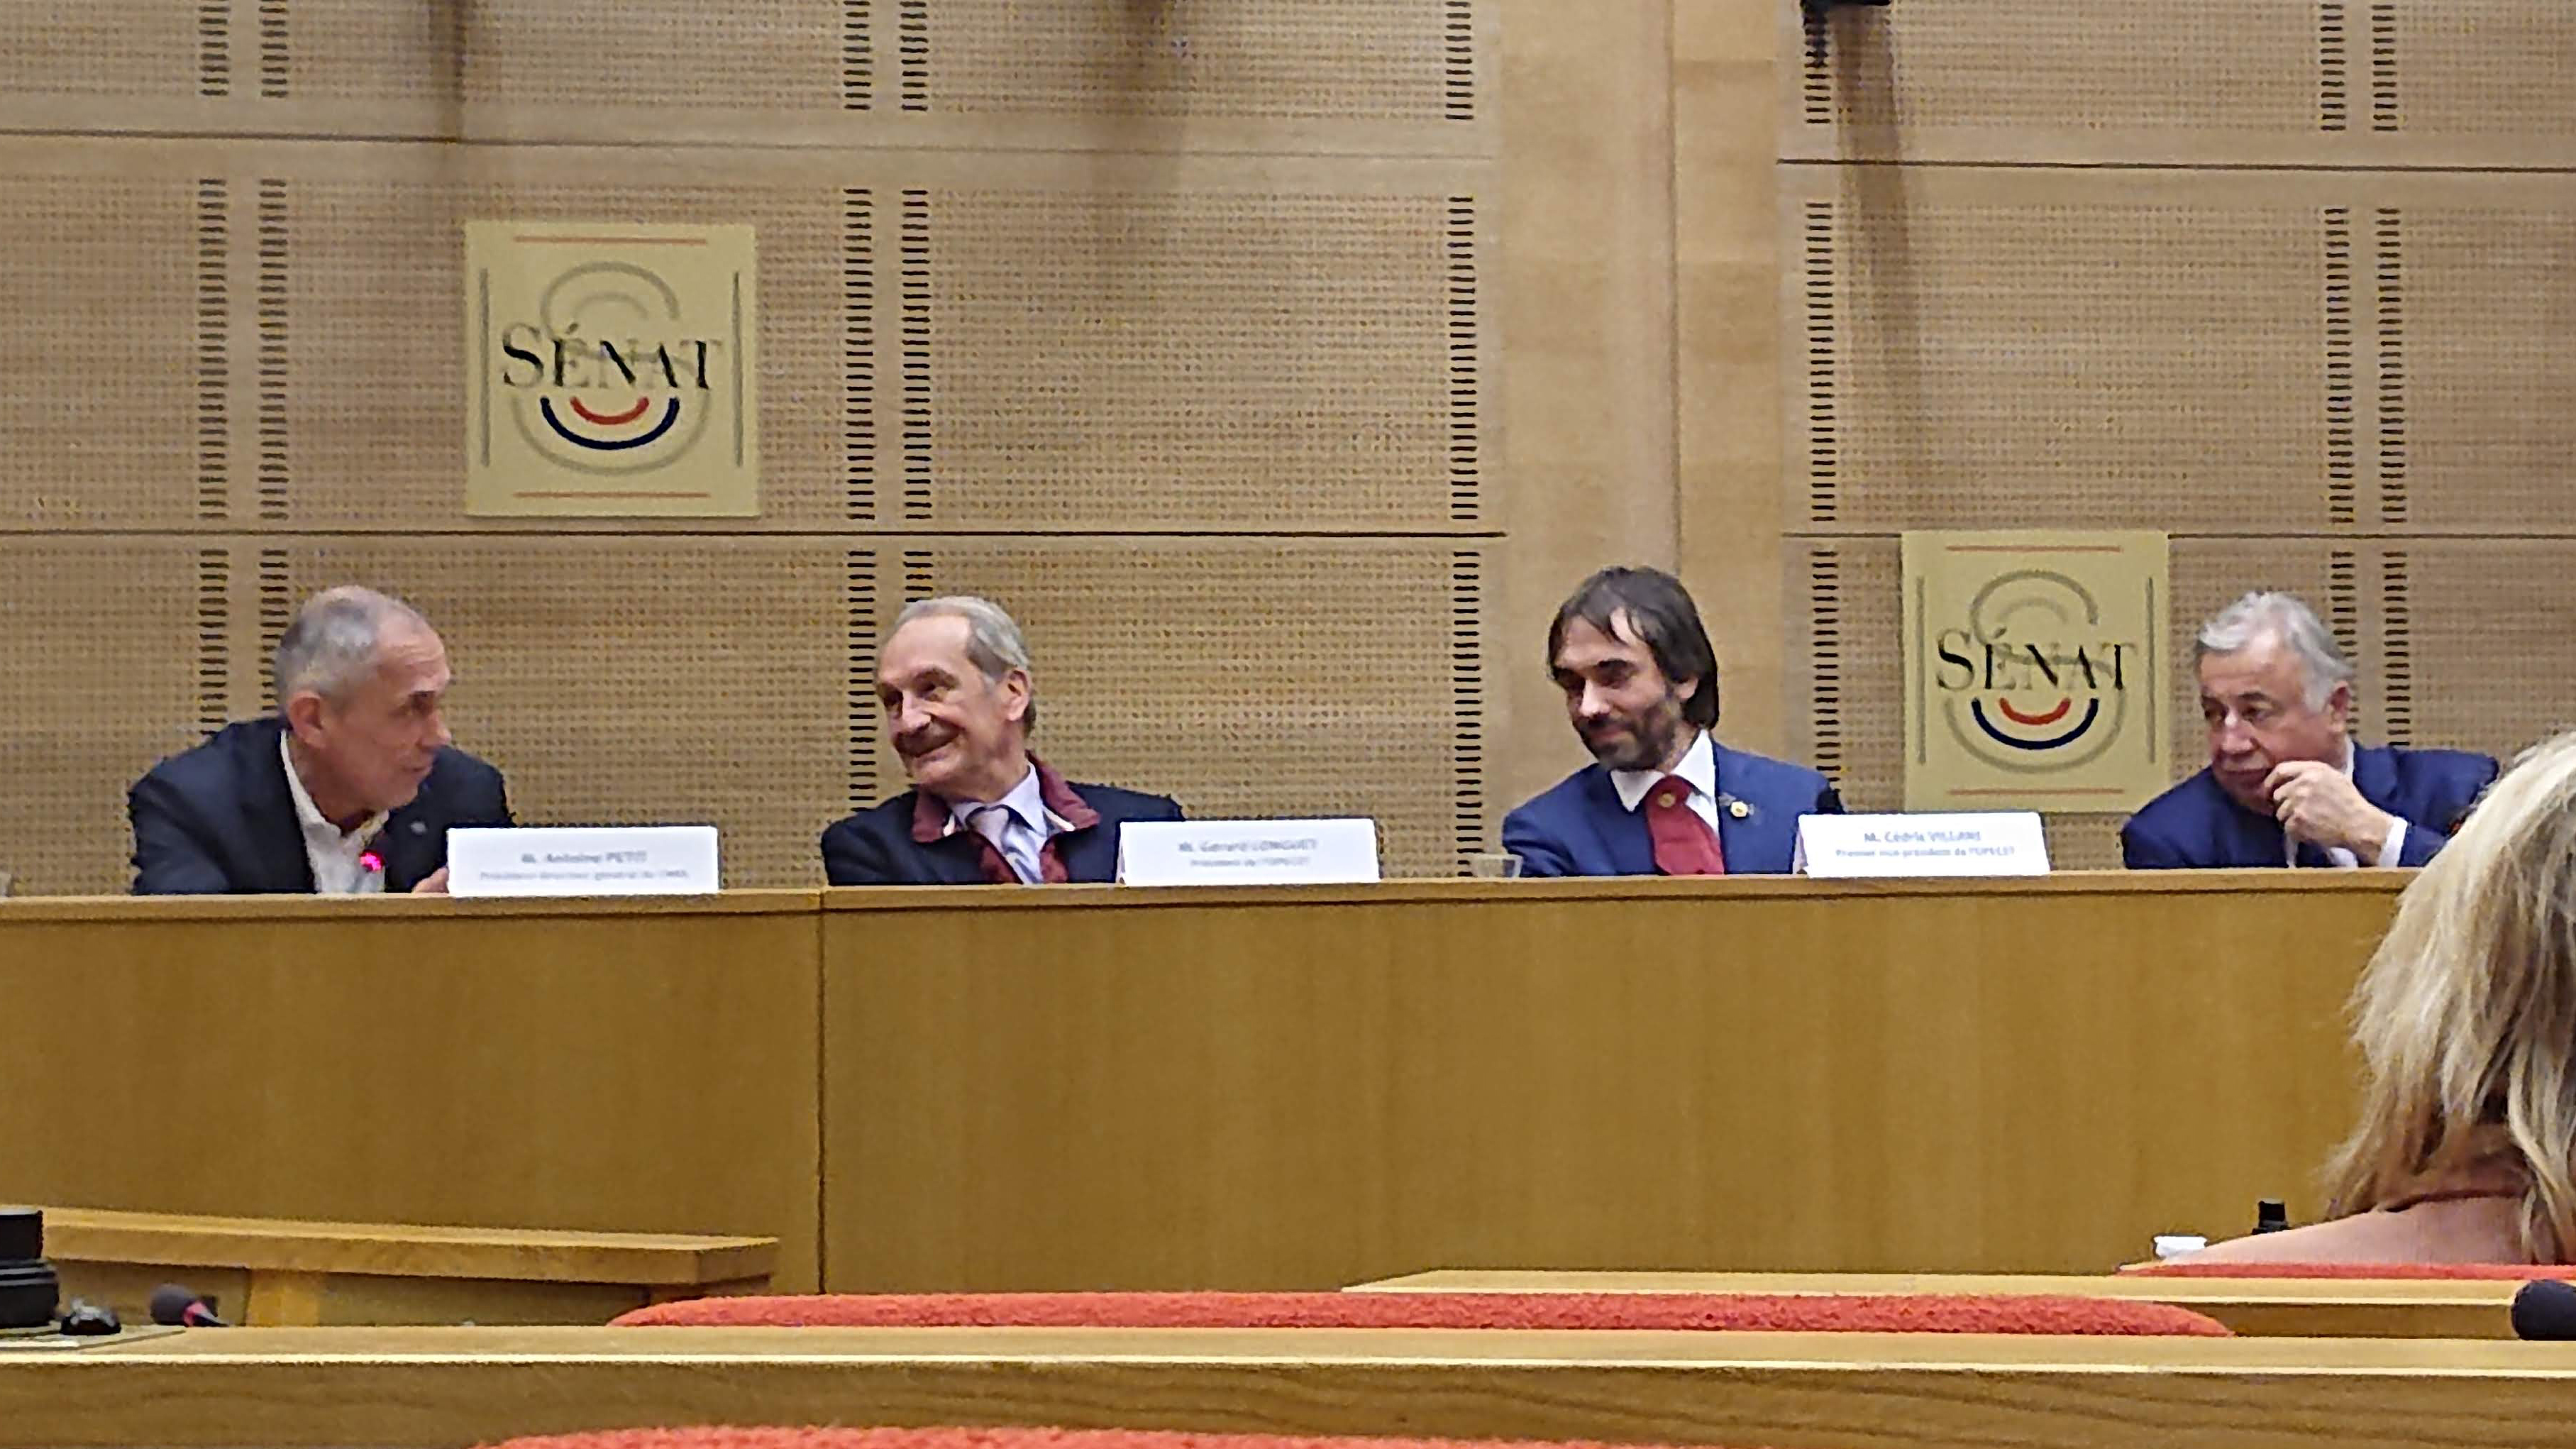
(1684, 844)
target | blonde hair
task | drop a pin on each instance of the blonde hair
(2466, 1015)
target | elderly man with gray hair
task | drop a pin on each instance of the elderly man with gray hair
(959, 700)
(2286, 783)
(349, 789)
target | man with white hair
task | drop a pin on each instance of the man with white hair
(2286, 782)
(955, 685)
(349, 789)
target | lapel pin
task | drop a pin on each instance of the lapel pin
(1738, 809)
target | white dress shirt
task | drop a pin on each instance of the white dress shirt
(1698, 770)
(1019, 825)
(2390, 850)
(333, 852)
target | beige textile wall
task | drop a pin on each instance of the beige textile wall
(2290, 282)
(1193, 330)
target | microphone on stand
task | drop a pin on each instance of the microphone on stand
(179, 1308)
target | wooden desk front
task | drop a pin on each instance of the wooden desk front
(1092, 1088)
(446, 1388)
(2264, 1307)
(1085, 1088)
(644, 1066)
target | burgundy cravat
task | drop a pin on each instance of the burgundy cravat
(1684, 843)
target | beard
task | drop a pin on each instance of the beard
(1636, 742)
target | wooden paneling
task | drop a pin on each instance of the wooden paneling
(1729, 354)
(643, 1067)
(1218, 1088)
(403, 1249)
(1294, 1089)
(1587, 316)
(437, 1388)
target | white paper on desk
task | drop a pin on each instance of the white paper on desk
(1247, 852)
(601, 860)
(2006, 842)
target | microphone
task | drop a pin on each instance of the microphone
(2544, 1311)
(179, 1308)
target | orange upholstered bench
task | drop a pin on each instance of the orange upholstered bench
(1709, 1312)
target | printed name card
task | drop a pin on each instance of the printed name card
(2001, 843)
(607, 860)
(1247, 852)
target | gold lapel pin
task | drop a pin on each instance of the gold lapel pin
(1738, 809)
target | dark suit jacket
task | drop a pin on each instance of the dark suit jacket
(1579, 828)
(218, 820)
(2197, 824)
(882, 846)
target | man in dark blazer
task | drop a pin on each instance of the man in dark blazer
(956, 688)
(2286, 783)
(1662, 796)
(349, 789)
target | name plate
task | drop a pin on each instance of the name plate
(2001, 843)
(1247, 852)
(604, 860)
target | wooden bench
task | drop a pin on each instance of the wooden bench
(437, 1388)
(282, 1272)
(2270, 1307)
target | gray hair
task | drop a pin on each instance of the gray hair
(331, 647)
(2266, 614)
(993, 641)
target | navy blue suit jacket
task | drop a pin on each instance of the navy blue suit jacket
(218, 820)
(875, 846)
(2197, 824)
(1579, 827)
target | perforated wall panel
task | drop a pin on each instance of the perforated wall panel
(1323, 60)
(2357, 351)
(2481, 652)
(357, 317)
(2000, 65)
(1997, 348)
(115, 48)
(1847, 650)
(276, 341)
(115, 654)
(1190, 360)
(114, 365)
(1252, 678)
(2343, 82)
(669, 55)
(2476, 299)
(631, 681)
(2485, 70)
(1359, 77)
